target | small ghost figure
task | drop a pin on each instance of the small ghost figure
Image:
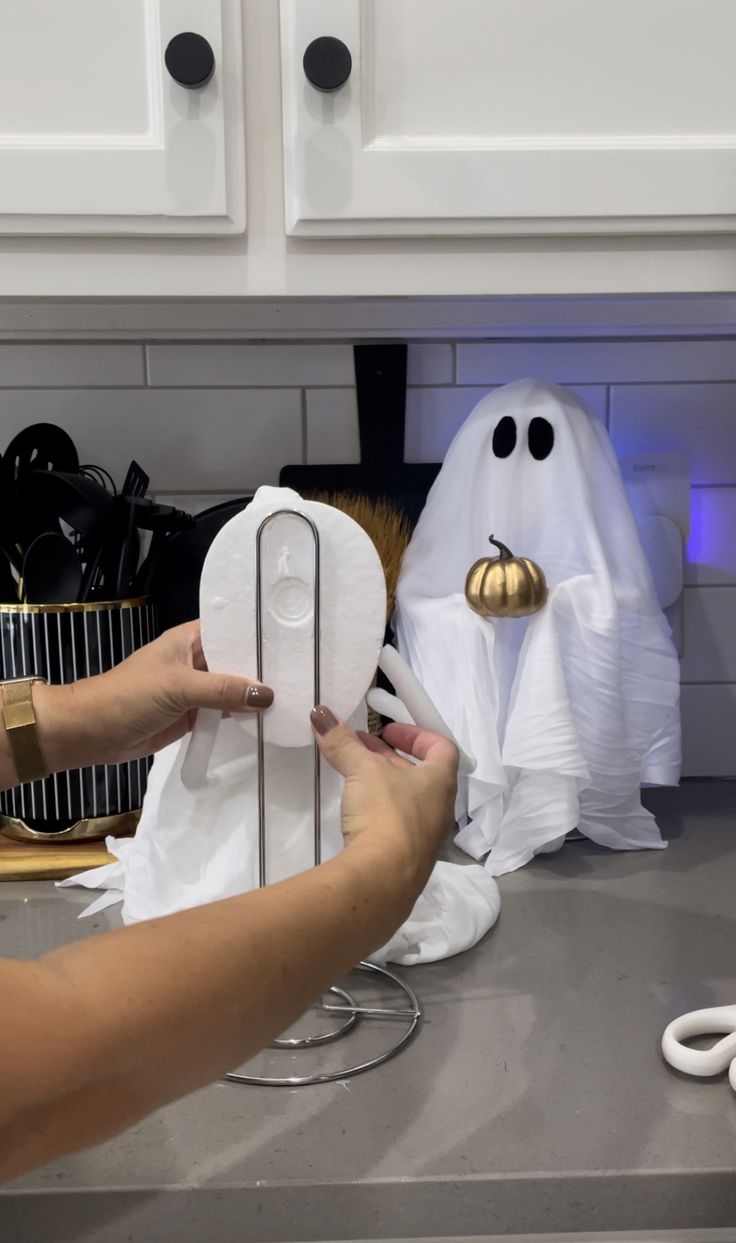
(569, 711)
(198, 839)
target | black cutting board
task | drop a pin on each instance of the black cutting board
(380, 381)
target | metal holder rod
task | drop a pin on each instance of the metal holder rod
(316, 691)
(351, 1012)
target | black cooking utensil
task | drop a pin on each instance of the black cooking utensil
(10, 551)
(84, 505)
(38, 448)
(11, 559)
(380, 381)
(113, 563)
(136, 482)
(139, 513)
(42, 446)
(91, 554)
(52, 573)
(77, 500)
(8, 582)
(146, 581)
(134, 514)
(129, 553)
(162, 521)
(100, 475)
(23, 520)
(153, 515)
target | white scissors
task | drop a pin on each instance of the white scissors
(703, 1062)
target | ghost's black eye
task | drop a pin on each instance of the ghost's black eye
(541, 439)
(504, 437)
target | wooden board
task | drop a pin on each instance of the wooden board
(33, 861)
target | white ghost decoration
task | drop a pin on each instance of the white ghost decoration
(567, 712)
(198, 838)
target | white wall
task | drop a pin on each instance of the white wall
(209, 420)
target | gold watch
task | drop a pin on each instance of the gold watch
(19, 718)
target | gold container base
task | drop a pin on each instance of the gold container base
(93, 829)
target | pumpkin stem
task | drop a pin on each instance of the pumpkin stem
(505, 553)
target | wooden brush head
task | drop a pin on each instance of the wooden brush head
(386, 525)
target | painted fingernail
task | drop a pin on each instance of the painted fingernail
(323, 720)
(259, 697)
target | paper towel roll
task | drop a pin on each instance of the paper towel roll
(352, 609)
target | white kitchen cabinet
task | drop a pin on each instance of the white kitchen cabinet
(97, 139)
(512, 117)
(98, 133)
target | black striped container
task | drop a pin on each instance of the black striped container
(63, 643)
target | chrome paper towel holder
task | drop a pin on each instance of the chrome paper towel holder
(349, 1014)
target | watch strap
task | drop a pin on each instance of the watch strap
(19, 718)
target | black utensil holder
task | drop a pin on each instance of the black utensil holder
(63, 643)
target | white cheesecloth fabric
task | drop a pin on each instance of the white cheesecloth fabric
(197, 840)
(570, 711)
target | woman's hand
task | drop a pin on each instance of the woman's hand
(396, 811)
(140, 706)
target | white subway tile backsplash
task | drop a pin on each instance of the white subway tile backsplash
(698, 420)
(711, 552)
(429, 364)
(596, 362)
(434, 415)
(282, 365)
(709, 635)
(190, 440)
(70, 366)
(708, 731)
(332, 426)
(594, 397)
(209, 366)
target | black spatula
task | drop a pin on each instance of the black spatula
(380, 380)
(42, 446)
(52, 573)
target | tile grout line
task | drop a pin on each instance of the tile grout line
(128, 386)
(247, 341)
(305, 427)
(214, 386)
(600, 383)
(724, 684)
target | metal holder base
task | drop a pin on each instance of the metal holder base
(409, 1014)
(350, 1013)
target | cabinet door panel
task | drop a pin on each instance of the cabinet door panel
(95, 134)
(513, 116)
(56, 82)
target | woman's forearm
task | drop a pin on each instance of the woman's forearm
(68, 731)
(152, 1012)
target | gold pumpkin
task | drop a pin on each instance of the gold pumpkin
(505, 586)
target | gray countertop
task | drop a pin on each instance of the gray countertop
(534, 1098)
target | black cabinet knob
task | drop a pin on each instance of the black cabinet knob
(190, 60)
(327, 63)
